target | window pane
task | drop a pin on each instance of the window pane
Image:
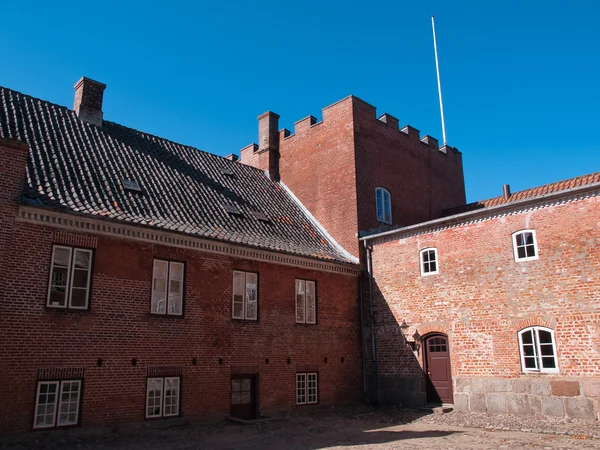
(238, 295)
(519, 239)
(251, 295)
(379, 204)
(300, 301)
(236, 385)
(545, 337)
(159, 287)
(530, 249)
(176, 288)
(432, 266)
(246, 384)
(425, 257)
(547, 350)
(530, 363)
(527, 337)
(528, 350)
(80, 278)
(521, 252)
(548, 362)
(59, 277)
(79, 298)
(83, 259)
(528, 237)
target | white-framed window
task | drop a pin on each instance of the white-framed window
(538, 350)
(167, 287)
(306, 301)
(245, 295)
(162, 397)
(525, 245)
(383, 200)
(57, 404)
(306, 388)
(70, 277)
(429, 261)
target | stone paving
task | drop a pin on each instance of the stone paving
(355, 427)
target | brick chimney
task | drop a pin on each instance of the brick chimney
(268, 141)
(88, 100)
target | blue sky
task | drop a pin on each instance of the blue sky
(520, 79)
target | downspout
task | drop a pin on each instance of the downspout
(362, 337)
(369, 249)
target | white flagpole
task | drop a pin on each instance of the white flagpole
(437, 68)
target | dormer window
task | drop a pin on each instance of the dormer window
(384, 205)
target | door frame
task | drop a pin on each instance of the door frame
(425, 354)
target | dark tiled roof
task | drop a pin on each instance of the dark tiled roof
(528, 193)
(77, 167)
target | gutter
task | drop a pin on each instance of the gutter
(470, 215)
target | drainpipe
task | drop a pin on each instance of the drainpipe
(362, 338)
(369, 250)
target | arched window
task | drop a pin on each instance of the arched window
(384, 205)
(525, 245)
(538, 350)
(429, 261)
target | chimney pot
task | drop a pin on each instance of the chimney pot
(88, 100)
(506, 190)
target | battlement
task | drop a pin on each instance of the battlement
(357, 110)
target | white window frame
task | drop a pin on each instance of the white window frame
(515, 248)
(539, 362)
(163, 397)
(305, 393)
(381, 205)
(247, 284)
(58, 403)
(422, 262)
(304, 304)
(69, 282)
(168, 300)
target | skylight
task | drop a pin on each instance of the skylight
(131, 185)
(232, 209)
(260, 216)
(226, 171)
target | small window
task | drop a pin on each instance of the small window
(162, 397)
(384, 205)
(231, 209)
(131, 185)
(525, 245)
(538, 350)
(167, 288)
(306, 388)
(306, 301)
(245, 295)
(70, 276)
(429, 261)
(57, 404)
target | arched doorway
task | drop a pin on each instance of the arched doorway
(438, 375)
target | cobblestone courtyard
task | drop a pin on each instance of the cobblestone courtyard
(348, 428)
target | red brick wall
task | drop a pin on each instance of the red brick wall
(481, 298)
(119, 327)
(317, 163)
(334, 166)
(422, 180)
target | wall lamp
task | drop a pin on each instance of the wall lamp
(415, 344)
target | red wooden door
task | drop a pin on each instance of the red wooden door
(243, 396)
(439, 377)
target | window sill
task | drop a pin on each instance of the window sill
(234, 320)
(306, 324)
(167, 316)
(59, 310)
(520, 260)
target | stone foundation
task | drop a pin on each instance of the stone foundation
(530, 395)
(401, 391)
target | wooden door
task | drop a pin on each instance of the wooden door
(243, 396)
(439, 377)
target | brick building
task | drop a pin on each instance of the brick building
(146, 280)
(142, 279)
(495, 307)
